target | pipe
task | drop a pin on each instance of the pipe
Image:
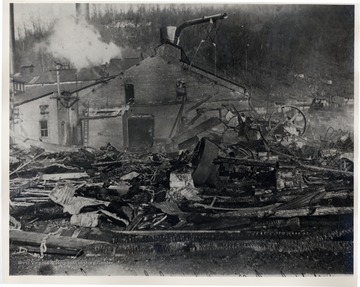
(205, 19)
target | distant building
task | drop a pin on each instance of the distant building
(39, 114)
(145, 106)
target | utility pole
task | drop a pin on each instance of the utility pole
(12, 70)
(12, 40)
(215, 56)
(246, 56)
(58, 69)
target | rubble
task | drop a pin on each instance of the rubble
(255, 184)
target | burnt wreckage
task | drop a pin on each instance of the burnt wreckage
(268, 185)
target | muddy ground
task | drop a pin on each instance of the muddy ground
(244, 262)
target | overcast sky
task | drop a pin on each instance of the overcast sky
(27, 13)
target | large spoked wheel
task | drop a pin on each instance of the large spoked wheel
(289, 121)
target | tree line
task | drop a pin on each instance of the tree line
(255, 42)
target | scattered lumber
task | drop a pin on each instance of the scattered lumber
(59, 176)
(55, 244)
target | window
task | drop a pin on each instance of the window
(18, 86)
(44, 128)
(44, 109)
(180, 89)
(129, 93)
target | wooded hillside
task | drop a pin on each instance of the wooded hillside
(261, 46)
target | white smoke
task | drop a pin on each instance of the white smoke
(80, 43)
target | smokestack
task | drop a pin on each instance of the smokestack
(82, 11)
(12, 41)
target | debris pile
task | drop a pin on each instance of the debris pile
(289, 195)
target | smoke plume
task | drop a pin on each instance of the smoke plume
(80, 43)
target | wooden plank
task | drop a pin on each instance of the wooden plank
(33, 194)
(21, 204)
(251, 211)
(326, 170)
(300, 212)
(245, 162)
(206, 125)
(70, 175)
(328, 195)
(18, 237)
(49, 250)
(30, 198)
(319, 211)
(26, 163)
(15, 189)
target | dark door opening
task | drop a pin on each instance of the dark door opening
(129, 94)
(141, 131)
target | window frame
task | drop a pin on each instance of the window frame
(44, 131)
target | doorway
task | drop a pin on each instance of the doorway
(141, 131)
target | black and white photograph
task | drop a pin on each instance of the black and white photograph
(180, 140)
